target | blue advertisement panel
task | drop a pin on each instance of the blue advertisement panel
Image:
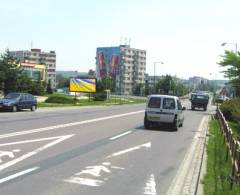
(107, 61)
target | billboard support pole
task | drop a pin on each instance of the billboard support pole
(89, 95)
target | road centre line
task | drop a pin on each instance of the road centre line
(18, 174)
(120, 135)
(68, 125)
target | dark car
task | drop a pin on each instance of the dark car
(18, 101)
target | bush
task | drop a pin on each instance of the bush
(231, 109)
(60, 99)
(100, 96)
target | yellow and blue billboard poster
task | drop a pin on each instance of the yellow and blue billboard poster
(82, 85)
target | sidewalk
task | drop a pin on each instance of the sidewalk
(186, 181)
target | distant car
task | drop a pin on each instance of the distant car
(221, 99)
(164, 109)
(18, 101)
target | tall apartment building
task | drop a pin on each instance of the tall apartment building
(36, 56)
(195, 81)
(125, 65)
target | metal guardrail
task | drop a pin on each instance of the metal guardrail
(233, 147)
(127, 96)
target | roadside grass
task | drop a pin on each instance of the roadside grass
(236, 129)
(219, 165)
(87, 102)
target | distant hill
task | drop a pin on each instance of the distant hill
(68, 74)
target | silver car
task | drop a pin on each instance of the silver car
(164, 109)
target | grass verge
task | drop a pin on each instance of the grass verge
(86, 102)
(219, 165)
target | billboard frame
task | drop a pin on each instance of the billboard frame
(83, 78)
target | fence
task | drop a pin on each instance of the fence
(233, 147)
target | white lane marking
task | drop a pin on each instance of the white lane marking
(16, 150)
(115, 167)
(9, 154)
(67, 125)
(146, 145)
(120, 135)
(106, 163)
(25, 156)
(18, 174)
(33, 140)
(84, 181)
(150, 188)
(94, 170)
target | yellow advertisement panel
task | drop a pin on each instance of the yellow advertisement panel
(82, 85)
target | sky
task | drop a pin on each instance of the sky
(185, 35)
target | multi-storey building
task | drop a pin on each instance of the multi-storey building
(196, 81)
(125, 65)
(36, 56)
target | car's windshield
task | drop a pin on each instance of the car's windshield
(12, 96)
(200, 97)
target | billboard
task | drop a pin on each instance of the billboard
(107, 62)
(82, 85)
(101, 64)
(113, 65)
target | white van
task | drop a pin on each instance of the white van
(164, 109)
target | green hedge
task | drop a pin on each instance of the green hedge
(231, 109)
(100, 96)
(60, 99)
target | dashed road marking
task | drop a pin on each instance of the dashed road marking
(120, 135)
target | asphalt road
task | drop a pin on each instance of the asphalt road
(95, 150)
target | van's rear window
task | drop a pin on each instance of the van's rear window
(154, 102)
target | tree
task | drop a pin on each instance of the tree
(166, 85)
(49, 87)
(108, 83)
(171, 85)
(231, 61)
(91, 73)
(9, 73)
(13, 78)
(62, 82)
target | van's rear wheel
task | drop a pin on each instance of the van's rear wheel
(33, 108)
(146, 123)
(14, 108)
(175, 126)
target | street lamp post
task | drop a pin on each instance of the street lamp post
(154, 81)
(235, 44)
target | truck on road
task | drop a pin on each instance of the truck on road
(199, 100)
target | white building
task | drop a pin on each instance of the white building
(126, 65)
(36, 56)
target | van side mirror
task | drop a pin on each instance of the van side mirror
(183, 108)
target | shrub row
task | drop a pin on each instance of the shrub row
(231, 109)
(60, 99)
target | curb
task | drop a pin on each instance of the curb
(187, 178)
